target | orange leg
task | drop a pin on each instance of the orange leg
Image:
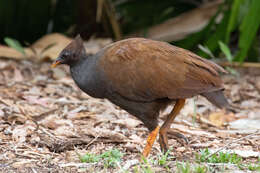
(150, 140)
(163, 139)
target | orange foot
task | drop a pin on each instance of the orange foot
(150, 140)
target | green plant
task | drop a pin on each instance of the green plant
(143, 166)
(89, 158)
(240, 19)
(14, 44)
(143, 169)
(248, 26)
(243, 18)
(224, 48)
(147, 168)
(202, 156)
(221, 157)
(206, 50)
(163, 158)
(183, 167)
(253, 167)
(111, 157)
(200, 169)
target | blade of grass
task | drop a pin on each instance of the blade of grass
(248, 29)
(219, 34)
(224, 48)
(233, 18)
(14, 44)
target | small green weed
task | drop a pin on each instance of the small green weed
(89, 158)
(191, 168)
(163, 158)
(144, 166)
(226, 51)
(183, 167)
(15, 44)
(200, 169)
(253, 167)
(206, 50)
(143, 169)
(111, 157)
(221, 157)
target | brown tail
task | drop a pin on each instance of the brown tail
(218, 99)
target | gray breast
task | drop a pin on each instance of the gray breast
(89, 77)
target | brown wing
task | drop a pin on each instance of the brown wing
(144, 70)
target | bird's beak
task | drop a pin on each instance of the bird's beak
(57, 62)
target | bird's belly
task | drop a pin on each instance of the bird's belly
(147, 112)
(93, 88)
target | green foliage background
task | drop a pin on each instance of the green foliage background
(28, 20)
(237, 33)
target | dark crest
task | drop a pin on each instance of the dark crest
(74, 51)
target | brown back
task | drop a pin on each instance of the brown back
(145, 70)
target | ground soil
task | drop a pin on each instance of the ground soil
(46, 121)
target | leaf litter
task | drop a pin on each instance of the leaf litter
(45, 119)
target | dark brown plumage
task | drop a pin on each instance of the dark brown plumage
(143, 77)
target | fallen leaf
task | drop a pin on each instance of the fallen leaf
(128, 122)
(60, 42)
(1, 113)
(105, 133)
(18, 77)
(180, 149)
(66, 131)
(246, 124)
(58, 73)
(54, 122)
(37, 100)
(136, 138)
(20, 165)
(20, 132)
(221, 118)
(186, 129)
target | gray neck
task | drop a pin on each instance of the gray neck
(79, 67)
(82, 69)
(88, 76)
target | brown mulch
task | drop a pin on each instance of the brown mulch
(45, 120)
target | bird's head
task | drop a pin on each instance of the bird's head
(72, 53)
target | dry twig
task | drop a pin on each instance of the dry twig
(233, 141)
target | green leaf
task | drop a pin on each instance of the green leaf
(248, 29)
(14, 44)
(218, 34)
(206, 50)
(233, 18)
(224, 48)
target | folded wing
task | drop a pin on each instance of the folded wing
(144, 70)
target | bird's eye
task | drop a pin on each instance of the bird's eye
(66, 55)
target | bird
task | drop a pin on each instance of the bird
(143, 77)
